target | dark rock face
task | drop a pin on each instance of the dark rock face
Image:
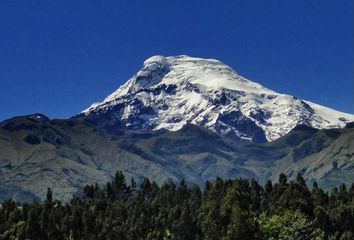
(260, 115)
(350, 125)
(32, 139)
(113, 121)
(243, 125)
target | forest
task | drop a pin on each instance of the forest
(236, 209)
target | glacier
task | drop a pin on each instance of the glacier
(170, 92)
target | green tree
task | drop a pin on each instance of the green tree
(290, 226)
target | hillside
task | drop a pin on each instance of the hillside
(36, 153)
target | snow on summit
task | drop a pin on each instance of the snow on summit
(169, 92)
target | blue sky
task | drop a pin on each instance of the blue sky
(57, 57)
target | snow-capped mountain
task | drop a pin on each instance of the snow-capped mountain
(169, 92)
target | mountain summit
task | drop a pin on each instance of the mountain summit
(170, 92)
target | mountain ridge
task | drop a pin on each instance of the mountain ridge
(36, 153)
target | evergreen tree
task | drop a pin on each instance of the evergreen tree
(226, 209)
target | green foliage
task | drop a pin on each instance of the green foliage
(236, 209)
(289, 226)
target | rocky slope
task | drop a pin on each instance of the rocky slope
(170, 92)
(327, 157)
(36, 153)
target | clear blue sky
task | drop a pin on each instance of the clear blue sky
(57, 57)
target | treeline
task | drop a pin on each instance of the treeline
(227, 210)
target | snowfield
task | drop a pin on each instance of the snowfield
(169, 92)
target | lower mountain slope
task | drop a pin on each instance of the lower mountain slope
(36, 153)
(327, 157)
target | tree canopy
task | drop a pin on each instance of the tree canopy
(237, 209)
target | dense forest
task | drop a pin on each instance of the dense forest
(225, 209)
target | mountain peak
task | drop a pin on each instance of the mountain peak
(157, 59)
(170, 92)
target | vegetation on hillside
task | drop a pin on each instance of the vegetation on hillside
(225, 210)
